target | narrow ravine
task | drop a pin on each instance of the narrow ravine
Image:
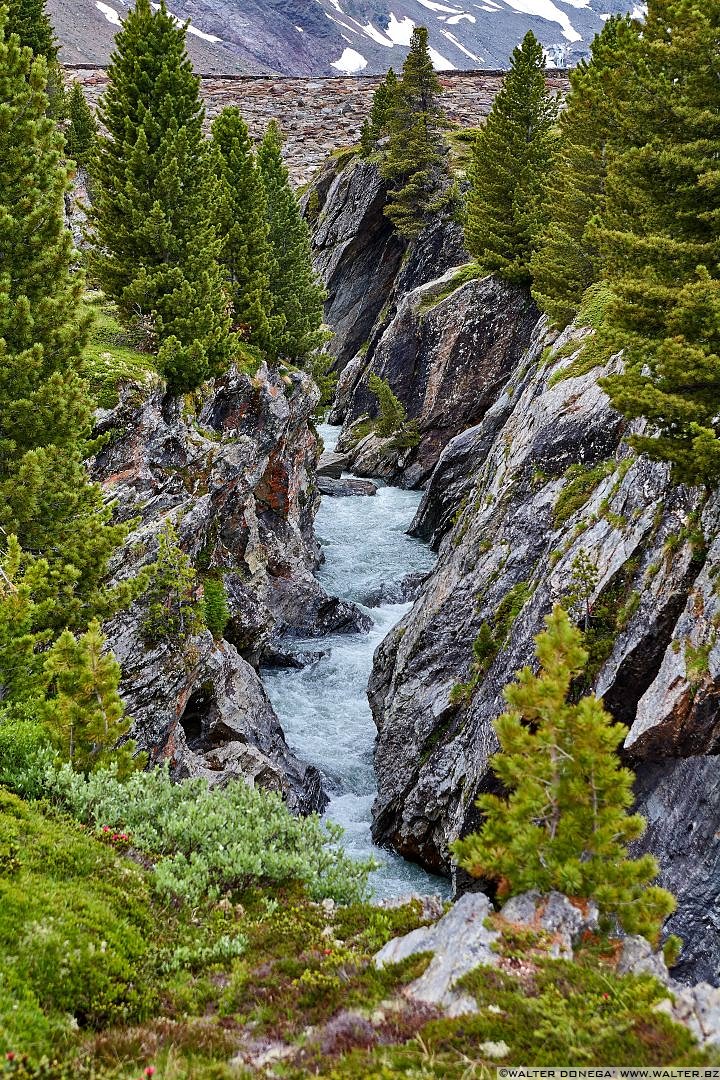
(323, 707)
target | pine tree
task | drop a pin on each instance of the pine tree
(156, 241)
(416, 165)
(216, 612)
(383, 103)
(46, 499)
(21, 581)
(174, 609)
(82, 130)
(392, 411)
(367, 143)
(564, 823)
(243, 227)
(505, 211)
(568, 260)
(297, 296)
(85, 714)
(30, 21)
(660, 242)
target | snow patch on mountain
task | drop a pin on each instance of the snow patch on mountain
(350, 62)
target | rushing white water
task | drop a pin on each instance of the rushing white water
(323, 708)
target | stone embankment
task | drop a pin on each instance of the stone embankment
(320, 115)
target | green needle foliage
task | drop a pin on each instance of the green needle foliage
(243, 226)
(416, 164)
(660, 242)
(505, 210)
(383, 103)
(564, 824)
(297, 296)
(174, 610)
(392, 411)
(568, 261)
(85, 715)
(81, 134)
(157, 201)
(216, 612)
(30, 21)
(46, 498)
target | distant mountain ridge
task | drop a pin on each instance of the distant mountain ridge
(331, 37)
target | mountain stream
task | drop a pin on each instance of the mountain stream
(323, 707)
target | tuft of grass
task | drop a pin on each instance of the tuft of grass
(469, 272)
(582, 480)
(111, 355)
(593, 353)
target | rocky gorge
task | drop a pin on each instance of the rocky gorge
(521, 483)
(531, 498)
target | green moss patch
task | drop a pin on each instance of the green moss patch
(112, 355)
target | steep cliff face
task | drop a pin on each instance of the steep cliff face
(413, 315)
(233, 470)
(514, 528)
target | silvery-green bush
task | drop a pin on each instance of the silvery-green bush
(206, 841)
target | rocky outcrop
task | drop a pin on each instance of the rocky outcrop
(447, 353)
(232, 469)
(511, 523)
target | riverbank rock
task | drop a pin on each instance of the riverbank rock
(347, 487)
(545, 482)
(466, 937)
(332, 465)
(232, 469)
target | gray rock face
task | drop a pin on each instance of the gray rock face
(463, 940)
(447, 354)
(348, 487)
(500, 536)
(233, 471)
(332, 465)
(355, 252)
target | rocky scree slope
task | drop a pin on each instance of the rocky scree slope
(544, 481)
(327, 37)
(232, 469)
(398, 312)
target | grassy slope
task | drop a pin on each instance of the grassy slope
(95, 972)
(111, 356)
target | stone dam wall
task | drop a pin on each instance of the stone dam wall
(321, 115)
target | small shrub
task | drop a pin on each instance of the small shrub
(209, 840)
(581, 482)
(174, 610)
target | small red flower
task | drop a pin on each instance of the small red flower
(150, 1071)
(10, 1056)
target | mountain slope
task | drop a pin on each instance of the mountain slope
(329, 37)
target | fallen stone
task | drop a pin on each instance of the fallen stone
(432, 906)
(329, 486)
(460, 940)
(332, 464)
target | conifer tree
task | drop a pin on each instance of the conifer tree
(297, 296)
(30, 21)
(367, 143)
(383, 103)
(156, 203)
(416, 166)
(82, 130)
(243, 228)
(505, 213)
(660, 242)
(21, 581)
(564, 823)
(174, 609)
(392, 411)
(46, 499)
(85, 714)
(568, 260)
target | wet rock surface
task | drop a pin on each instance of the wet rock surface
(348, 486)
(508, 551)
(232, 469)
